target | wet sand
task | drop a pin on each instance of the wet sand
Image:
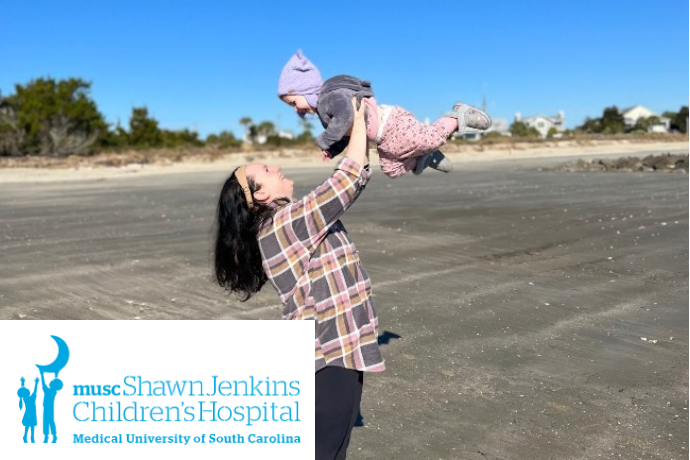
(514, 303)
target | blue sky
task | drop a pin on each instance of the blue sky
(205, 64)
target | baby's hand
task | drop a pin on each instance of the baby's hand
(36, 380)
(325, 155)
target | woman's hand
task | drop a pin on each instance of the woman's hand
(359, 114)
(357, 148)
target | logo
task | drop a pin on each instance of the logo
(27, 399)
(171, 385)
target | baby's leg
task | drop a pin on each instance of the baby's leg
(405, 142)
(404, 136)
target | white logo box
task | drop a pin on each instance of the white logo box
(247, 388)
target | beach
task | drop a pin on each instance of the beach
(524, 312)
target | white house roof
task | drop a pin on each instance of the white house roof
(543, 117)
(638, 109)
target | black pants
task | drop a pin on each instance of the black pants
(338, 394)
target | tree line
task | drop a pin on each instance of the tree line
(610, 122)
(613, 122)
(59, 118)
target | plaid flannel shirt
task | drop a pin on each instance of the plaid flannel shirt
(314, 266)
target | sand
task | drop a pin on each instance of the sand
(524, 313)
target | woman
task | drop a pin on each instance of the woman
(302, 248)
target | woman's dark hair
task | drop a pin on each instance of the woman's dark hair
(237, 257)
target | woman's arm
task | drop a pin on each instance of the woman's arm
(308, 220)
(357, 148)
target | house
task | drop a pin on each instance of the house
(286, 134)
(498, 125)
(632, 115)
(262, 138)
(544, 124)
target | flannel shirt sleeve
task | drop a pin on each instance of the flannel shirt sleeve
(311, 217)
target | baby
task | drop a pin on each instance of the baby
(403, 143)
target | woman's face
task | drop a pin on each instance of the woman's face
(272, 184)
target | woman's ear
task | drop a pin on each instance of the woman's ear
(261, 195)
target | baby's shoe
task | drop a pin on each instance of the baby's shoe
(435, 160)
(469, 117)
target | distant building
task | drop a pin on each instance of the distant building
(544, 124)
(262, 138)
(498, 125)
(632, 115)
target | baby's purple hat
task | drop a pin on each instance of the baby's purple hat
(300, 77)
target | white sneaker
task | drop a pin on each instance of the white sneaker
(469, 117)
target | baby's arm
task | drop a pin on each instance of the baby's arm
(339, 108)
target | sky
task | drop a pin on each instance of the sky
(203, 65)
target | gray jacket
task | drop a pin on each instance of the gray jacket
(335, 110)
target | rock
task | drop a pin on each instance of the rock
(659, 163)
(607, 164)
(681, 162)
(665, 162)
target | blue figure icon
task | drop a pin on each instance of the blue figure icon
(29, 400)
(49, 392)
